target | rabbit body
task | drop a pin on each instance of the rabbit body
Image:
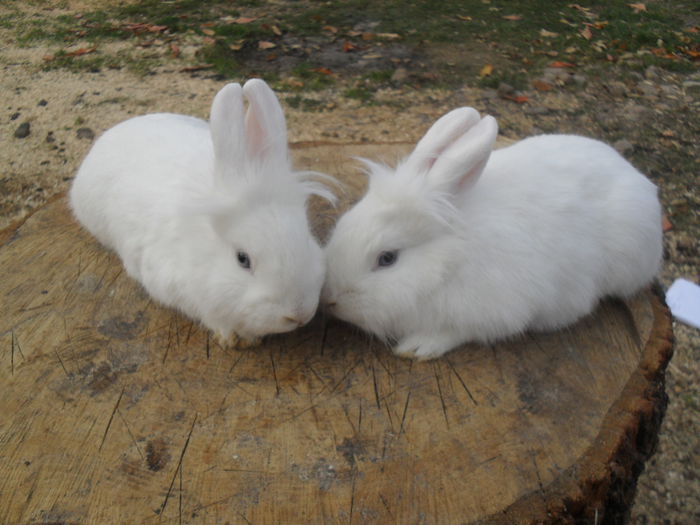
(553, 224)
(187, 204)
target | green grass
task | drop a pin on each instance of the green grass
(534, 32)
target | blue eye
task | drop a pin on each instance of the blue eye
(387, 258)
(243, 259)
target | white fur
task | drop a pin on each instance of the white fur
(554, 223)
(176, 198)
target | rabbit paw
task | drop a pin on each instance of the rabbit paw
(422, 347)
(232, 340)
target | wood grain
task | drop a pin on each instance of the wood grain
(114, 409)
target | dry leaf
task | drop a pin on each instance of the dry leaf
(367, 36)
(668, 133)
(174, 50)
(354, 33)
(295, 82)
(209, 40)
(548, 34)
(541, 85)
(666, 224)
(561, 64)
(638, 7)
(486, 71)
(389, 36)
(264, 44)
(190, 69)
(237, 46)
(276, 30)
(513, 17)
(465, 18)
(332, 29)
(348, 46)
(209, 32)
(520, 99)
(244, 20)
(586, 33)
(81, 51)
(323, 70)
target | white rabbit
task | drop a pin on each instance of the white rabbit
(209, 218)
(430, 259)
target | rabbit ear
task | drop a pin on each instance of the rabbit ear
(459, 166)
(446, 130)
(226, 125)
(265, 127)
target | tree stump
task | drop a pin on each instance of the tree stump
(114, 409)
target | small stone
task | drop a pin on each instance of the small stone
(85, 133)
(15, 116)
(647, 89)
(623, 146)
(400, 75)
(536, 110)
(580, 80)
(43, 102)
(489, 94)
(505, 89)
(50, 138)
(617, 89)
(23, 130)
(652, 73)
(691, 86)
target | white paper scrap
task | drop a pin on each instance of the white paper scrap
(683, 298)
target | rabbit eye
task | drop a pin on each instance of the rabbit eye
(387, 258)
(243, 259)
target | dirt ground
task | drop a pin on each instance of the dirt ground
(50, 118)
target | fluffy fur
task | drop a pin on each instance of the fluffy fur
(554, 223)
(178, 198)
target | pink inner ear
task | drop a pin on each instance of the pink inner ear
(255, 135)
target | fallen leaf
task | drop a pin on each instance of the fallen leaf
(81, 51)
(552, 53)
(295, 82)
(237, 46)
(271, 57)
(465, 18)
(174, 49)
(548, 34)
(190, 69)
(331, 29)
(276, 30)
(638, 7)
(513, 18)
(209, 40)
(586, 33)
(323, 71)
(209, 32)
(694, 29)
(348, 46)
(558, 63)
(264, 44)
(486, 71)
(666, 224)
(367, 36)
(143, 28)
(599, 25)
(519, 99)
(668, 133)
(541, 85)
(354, 33)
(244, 20)
(388, 36)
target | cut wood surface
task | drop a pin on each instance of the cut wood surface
(114, 409)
